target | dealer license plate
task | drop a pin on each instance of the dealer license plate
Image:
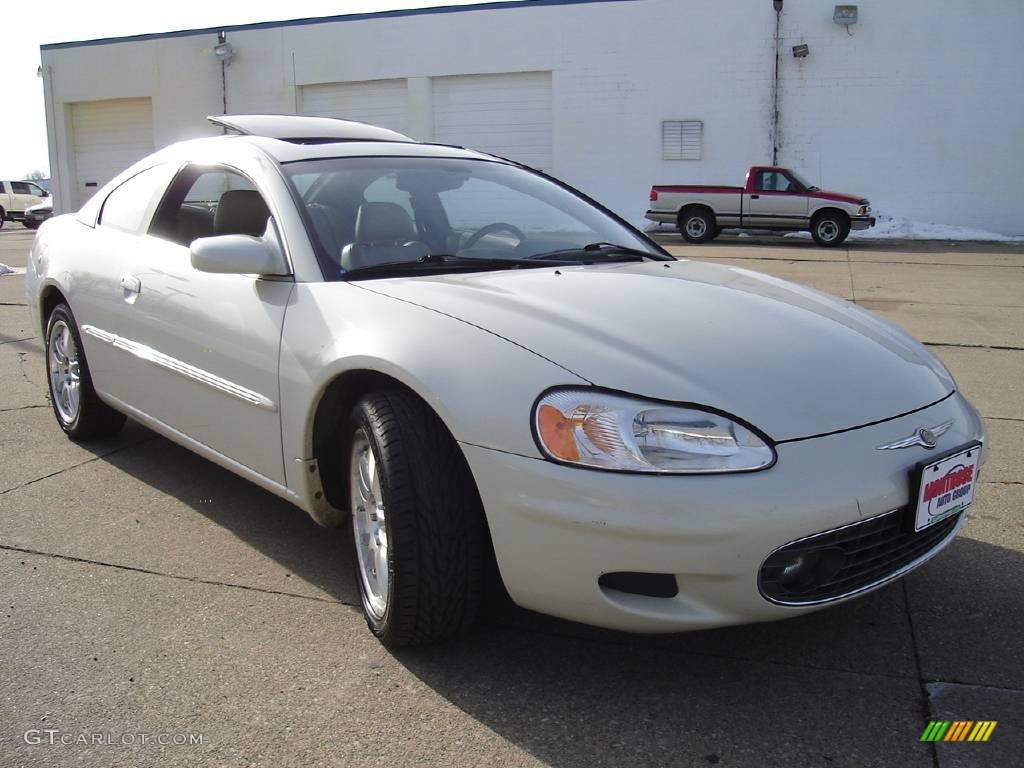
(947, 486)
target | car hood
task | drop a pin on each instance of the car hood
(790, 360)
(839, 197)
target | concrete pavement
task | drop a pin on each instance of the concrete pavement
(144, 590)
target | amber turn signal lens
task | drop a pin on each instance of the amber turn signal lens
(556, 432)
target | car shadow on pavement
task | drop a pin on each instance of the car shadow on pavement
(838, 687)
(268, 524)
(818, 689)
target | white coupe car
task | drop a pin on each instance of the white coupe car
(478, 366)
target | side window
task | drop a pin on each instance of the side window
(772, 181)
(126, 208)
(205, 201)
(20, 188)
(36, 190)
(385, 190)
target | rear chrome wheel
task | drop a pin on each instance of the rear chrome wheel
(79, 410)
(65, 373)
(697, 225)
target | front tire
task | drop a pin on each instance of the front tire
(79, 410)
(697, 225)
(30, 224)
(830, 229)
(417, 522)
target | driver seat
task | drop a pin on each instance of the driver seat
(384, 232)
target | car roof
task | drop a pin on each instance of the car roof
(304, 129)
(292, 138)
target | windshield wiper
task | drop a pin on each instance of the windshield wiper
(608, 252)
(436, 262)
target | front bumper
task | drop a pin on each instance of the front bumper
(557, 529)
(37, 218)
(862, 222)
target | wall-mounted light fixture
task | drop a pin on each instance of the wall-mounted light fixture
(777, 5)
(801, 51)
(845, 15)
(224, 52)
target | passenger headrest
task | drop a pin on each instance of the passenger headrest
(383, 223)
(241, 212)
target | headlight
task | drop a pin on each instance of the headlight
(863, 210)
(592, 428)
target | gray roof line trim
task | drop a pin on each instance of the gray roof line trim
(398, 13)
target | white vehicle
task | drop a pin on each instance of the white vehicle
(36, 214)
(472, 364)
(16, 196)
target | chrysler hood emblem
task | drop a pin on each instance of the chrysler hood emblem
(927, 437)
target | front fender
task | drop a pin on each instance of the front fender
(481, 386)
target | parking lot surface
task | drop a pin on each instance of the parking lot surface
(144, 590)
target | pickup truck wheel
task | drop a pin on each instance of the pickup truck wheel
(830, 229)
(697, 225)
(417, 522)
(3, 217)
(79, 410)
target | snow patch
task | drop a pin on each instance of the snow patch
(5, 270)
(900, 228)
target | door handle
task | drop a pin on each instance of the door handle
(755, 197)
(131, 284)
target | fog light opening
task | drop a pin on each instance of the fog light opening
(646, 584)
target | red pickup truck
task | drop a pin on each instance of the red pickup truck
(772, 198)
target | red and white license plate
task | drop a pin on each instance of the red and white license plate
(947, 486)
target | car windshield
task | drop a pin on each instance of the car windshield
(801, 180)
(365, 213)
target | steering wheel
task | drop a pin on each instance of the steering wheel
(481, 233)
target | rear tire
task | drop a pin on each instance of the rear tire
(697, 225)
(830, 228)
(79, 410)
(417, 522)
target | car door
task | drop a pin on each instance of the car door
(22, 196)
(777, 201)
(204, 347)
(103, 257)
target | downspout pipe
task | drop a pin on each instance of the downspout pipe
(777, 4)
(221, 39)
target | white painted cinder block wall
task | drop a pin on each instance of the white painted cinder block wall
(920, 109)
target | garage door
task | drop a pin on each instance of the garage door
(108, 136)
(507, 115)
(379, 102)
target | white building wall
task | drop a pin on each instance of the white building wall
(919, 109)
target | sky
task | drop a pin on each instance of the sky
(27, 25)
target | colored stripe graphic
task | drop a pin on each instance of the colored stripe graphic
(935, 730)
(958, 730)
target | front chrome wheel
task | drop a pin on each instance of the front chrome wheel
(369, 525)
(828, 230)
(65, 372)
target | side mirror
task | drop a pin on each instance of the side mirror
(46, 193)
(240, 254)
